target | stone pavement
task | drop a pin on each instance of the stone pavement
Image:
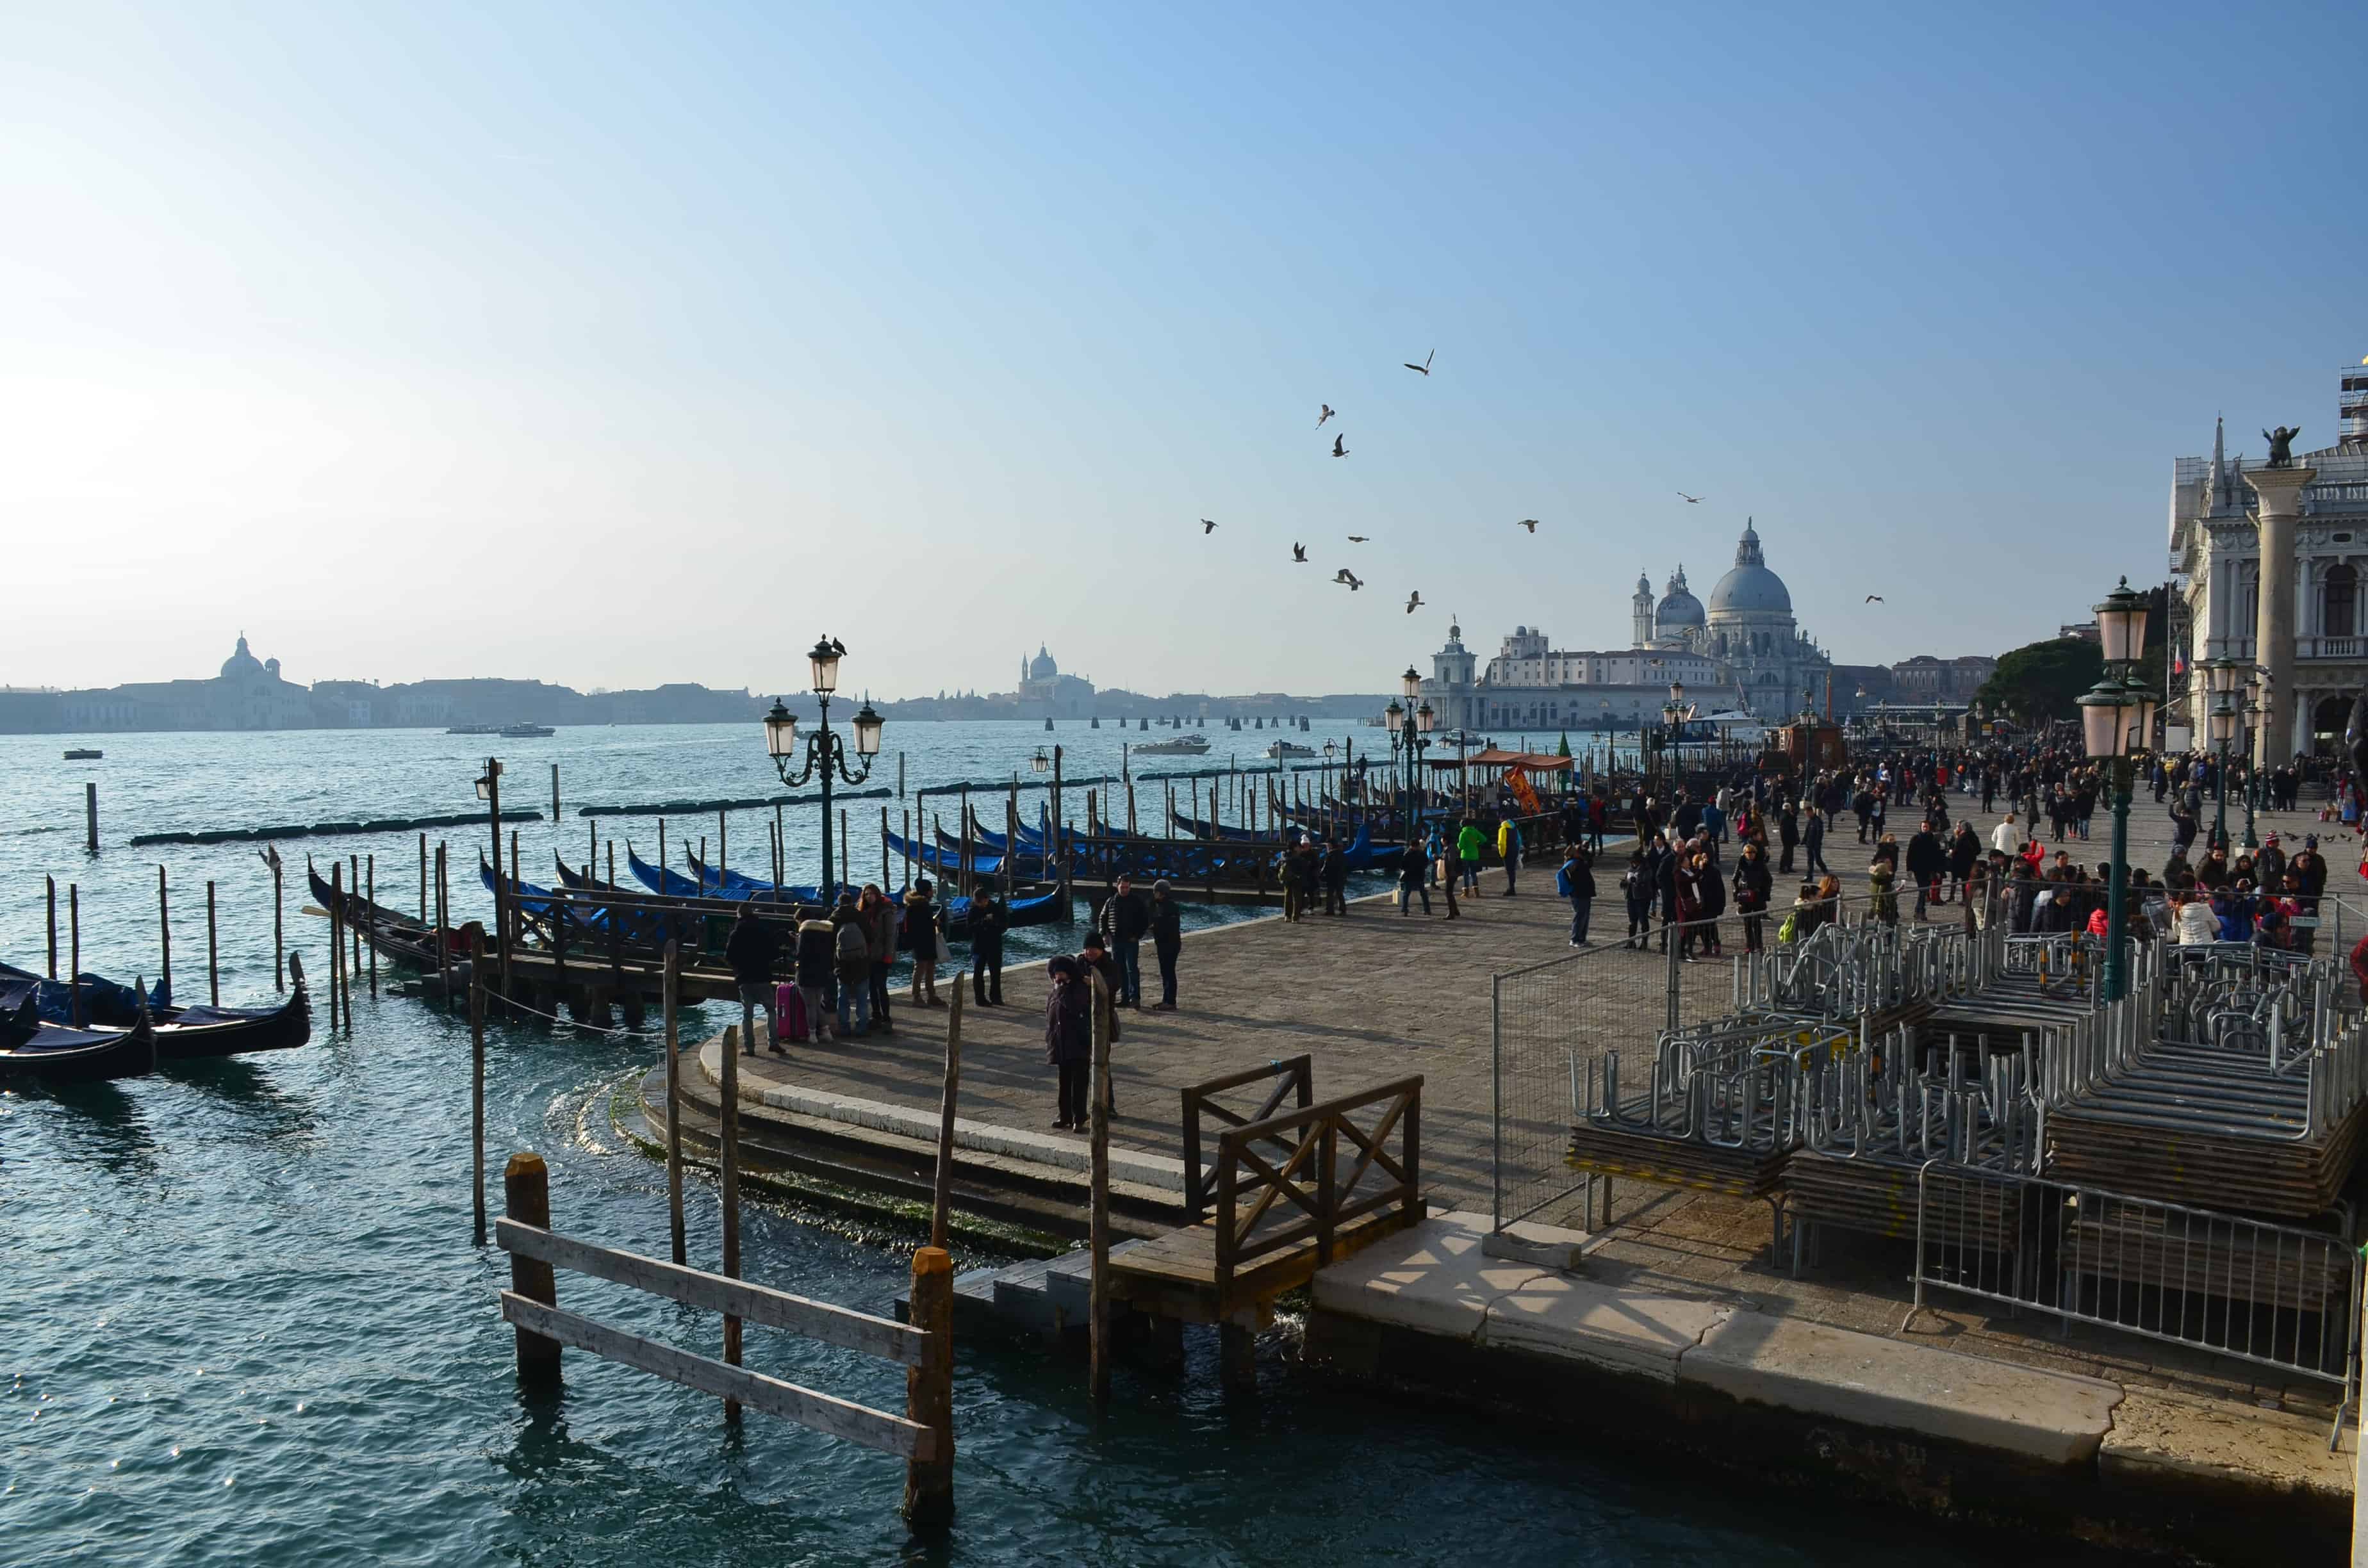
(1373, 996)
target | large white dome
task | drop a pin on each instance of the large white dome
(1749, 586)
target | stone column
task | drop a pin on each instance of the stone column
(2280, 490)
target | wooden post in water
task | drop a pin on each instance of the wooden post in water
(1129, 805)
(942, 1197)
(554, 797)
(728, 1156)
(353, 933)
(165, 930)
(73, 955)
(423, 878)
(369, 916)
(929, 1387)
(662, 859)
(722, 848)
(612, 862)
(908, 844)
(443, 930)
(270, 857)
(885, 883)
(213, 970)
(1097, 1300)
(591, 844)
(517, 920)
(526, 1197)
(336, 941)
(502, 912)
(1058, 836)
(477, 1087)
(50, 885)
(962, 864)
(844, 849)
(781, 846)
(90, 815)
(671, 997)
(1010, 842)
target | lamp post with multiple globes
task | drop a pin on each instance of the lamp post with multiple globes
(2116, 720)
(825, 753)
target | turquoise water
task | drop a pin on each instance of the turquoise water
(245, 1322)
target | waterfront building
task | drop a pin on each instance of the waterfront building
(1927, 678)
(2216, 558)
(1743, 651)
(1045, 693)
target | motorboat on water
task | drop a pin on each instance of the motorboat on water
(1282, 749)
(1182, 746)
(526, 732)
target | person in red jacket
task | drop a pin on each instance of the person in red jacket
(2360, 967)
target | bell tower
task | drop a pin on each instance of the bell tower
(1641, 623)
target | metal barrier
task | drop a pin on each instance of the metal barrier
(2279, 1296)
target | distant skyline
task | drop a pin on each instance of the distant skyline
(620, 345)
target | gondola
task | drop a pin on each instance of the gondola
(51, 1054)
(395, 935)
(1035, 909)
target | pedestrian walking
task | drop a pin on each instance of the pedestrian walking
(1575, 881)
(1412, 880)
(1100, 965)
(1468, 841)
(749, 951)
(1638, 892)
(1813, 845)
(1336, 879)
(1509, 849)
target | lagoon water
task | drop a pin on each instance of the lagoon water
(244, 1322)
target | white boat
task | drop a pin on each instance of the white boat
(525, 732)
(1182, 746)
(1282, 749)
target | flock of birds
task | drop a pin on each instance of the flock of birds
(1349, 580)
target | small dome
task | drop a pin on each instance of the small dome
(241, 662)
(1679, 610)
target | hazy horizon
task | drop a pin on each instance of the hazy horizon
(624, 345)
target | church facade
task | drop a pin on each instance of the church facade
(1045, 693)
(1741, 652)
(2215, 552)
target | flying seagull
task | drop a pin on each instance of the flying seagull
(1413, 600)
(1691, 500)
(1207, 528)
(1345, 576)
(1425, 367)
(1359, 539)
(1874, 599)
(1529, 523)
(1299, 552)
(1326, 414)
(1338, 450)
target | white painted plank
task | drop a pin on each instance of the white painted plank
(823, 1412)
(883, 1337)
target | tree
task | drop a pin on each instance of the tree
(2041, 681)
(1566, 745)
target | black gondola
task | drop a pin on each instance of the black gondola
(52, 1054)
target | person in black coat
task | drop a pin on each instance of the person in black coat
(1414, 878)
(1788, 832)
(1069, 1040)
(1753, 886)
(1336, 880)
(750, 951)
(1927, 863)
(1166, 941)
(984, 926)
(1638, 890)
(1575, 881)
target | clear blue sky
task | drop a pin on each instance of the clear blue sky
(614, 344)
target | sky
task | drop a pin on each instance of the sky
(615, 344)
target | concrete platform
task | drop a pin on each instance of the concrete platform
(1814, 1369)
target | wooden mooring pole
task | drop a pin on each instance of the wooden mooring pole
(336, 941)
(370, 915)
(942, 1197)
(443, 927)
(671, 994)
(90, 815)
(423, 878)
(213, 969)
(929, 1387)
(554, 797)
(165, 930)
(279, 914)
(728, 1179)
(476, 935)
(50, 885)
(526, 1197)
(1097, 1300)
(74, 954)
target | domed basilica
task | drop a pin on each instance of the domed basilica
(1741, 652)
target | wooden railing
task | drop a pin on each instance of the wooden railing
(923, 1434)
(1292, 1074)
(1307, 1176)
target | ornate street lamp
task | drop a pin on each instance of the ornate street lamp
(825, 753)
(2220, 680)
(1040, 762)
(1411, 684)
(2116, 718)
(2255, 700)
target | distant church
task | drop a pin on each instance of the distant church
(1045, 693)
(1743, 651)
